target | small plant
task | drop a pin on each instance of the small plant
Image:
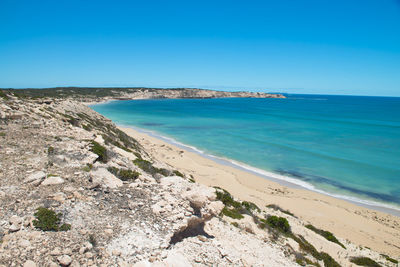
(250, 206)
(100, 151)
(364, 261)
(328, 235)
(50, 150)
(308, 248)
(148, 167)
(87, 167)
(390, 259)
(279, 223)
(86, 127)
(2, 134)
(233, 213)
(276, 207)
(3, 95)
(235, 224)
(48, 220)
(124, 174)
(178, 173)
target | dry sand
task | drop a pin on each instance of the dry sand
(365, 227)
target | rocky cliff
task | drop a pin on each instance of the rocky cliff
(104, 94)
(77, 191)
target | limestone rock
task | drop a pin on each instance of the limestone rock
(53, 180)
(106, 179)
(64, 260)
(34, 177)
(29, 263)
(14, 228)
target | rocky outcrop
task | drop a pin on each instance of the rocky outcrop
(64, 157)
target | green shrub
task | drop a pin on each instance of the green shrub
(276, 207)
(235, 224)
(308, 248)
(148, 167)
(226, 198)
(390, 259)
(178, 173)
(99, 150)
(3, 95)
(250, 206)
(364, 261)
(328, 235)
(124, 174)
(86, 127)
(2, 134)
(87, 168)
(48, 220)
(50, 150)
(279, 223)
(233, 213)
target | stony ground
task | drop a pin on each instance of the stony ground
(158, 217)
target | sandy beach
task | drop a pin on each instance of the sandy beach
(365, 227)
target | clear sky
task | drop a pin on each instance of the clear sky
(294, 46)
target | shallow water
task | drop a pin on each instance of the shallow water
(344, 145)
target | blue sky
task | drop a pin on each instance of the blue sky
(308, 46)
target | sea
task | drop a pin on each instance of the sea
(344, 146)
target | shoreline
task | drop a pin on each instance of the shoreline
(361, 225)
(273, 177)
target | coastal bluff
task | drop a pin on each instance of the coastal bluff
(75, 190)
(94, 94)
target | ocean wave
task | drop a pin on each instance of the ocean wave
(276, 177)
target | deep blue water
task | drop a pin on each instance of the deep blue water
(347, 145)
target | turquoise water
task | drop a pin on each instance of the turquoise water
(343, 145)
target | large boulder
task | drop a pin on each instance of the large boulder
(104, 178)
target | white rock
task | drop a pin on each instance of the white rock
(14, 228)
(200, 195)
(24, 243)
(176, 260)
(29, 263)
(53, 180)
(35, 177)
(103, 177)
(64, 260)
(16, 220)
(215, 207)
(143, 263)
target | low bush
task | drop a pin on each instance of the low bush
(100, 151)
(124, 174)
(3, 95)
(390, 259)
(233, 213)
(148, 167)
(328, 235)
(250, 206)
(276, 207)
(50, 150)
(178, 173)
(48, 220)
(308, 248)
(364, 261)
(279, 223)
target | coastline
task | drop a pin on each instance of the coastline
(370, 226)
(273, 177)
